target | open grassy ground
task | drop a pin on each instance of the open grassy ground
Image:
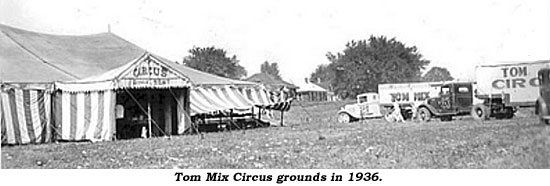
(313, 139)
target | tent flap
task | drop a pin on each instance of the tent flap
(25, 116)
(84, 115)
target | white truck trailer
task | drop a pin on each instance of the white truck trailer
(506, 87)
(516, 84)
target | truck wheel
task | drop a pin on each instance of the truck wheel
(480, 112)
(508, 113)
(424, 114)
(544, 121)
(389, 118)
(344, 118)
(540, 113)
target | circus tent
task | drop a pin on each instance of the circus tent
(56, 87)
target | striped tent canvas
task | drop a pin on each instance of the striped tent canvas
(84, 115)
(256, 96)
(211, 99)
(280, 106)
(261, 99)
(25, 116)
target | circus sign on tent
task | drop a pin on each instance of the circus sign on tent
(149, 69)
(150, 73)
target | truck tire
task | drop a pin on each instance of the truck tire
(541, 113)
(480, 112)
(424, 114)
(508, 113)
(544, 121)
(344, 118)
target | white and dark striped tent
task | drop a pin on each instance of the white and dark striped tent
(80, 81)
(76, 79)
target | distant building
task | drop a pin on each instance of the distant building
(311, 92)
(331, 96)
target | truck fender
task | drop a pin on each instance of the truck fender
(429, 107)
(346, 112)
(541, 107)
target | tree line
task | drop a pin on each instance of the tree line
(364, 64)
(216, 61)
(359, 68)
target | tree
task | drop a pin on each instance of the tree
(271, 69)
(365, 64)
(215, 61)
(324, 73)
(437, 74)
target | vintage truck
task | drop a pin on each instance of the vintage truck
(497, 92)
(454, 99)
(367, 107)
(542, 106)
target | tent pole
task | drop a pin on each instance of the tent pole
(259, 113)
(282, 114)
(149, 117)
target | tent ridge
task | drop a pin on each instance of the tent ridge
(38, 57)
(34, 32)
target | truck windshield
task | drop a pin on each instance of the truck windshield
(463, 90)
(363, 99)
(445, 90)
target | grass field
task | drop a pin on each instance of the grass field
(312, 138)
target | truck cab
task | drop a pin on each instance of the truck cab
(367, 106)
(454, 99)
(542, 106)
(460, 98)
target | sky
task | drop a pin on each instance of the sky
(457, 35)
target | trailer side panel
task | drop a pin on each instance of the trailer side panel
(517, 84)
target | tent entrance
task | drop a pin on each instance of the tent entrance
(132, 108)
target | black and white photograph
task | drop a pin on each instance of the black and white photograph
(275, 92)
